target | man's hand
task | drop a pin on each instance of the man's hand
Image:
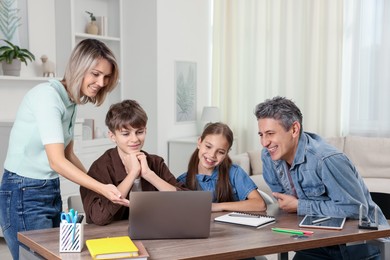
(286, 202)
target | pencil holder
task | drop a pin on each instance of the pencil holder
(71, 237)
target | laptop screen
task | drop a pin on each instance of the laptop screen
(169, 214)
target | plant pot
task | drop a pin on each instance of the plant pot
(12, 69)
(92, 28)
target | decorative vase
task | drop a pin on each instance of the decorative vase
(92, 28)
(12, 69)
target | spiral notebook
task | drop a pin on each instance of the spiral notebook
(247, 219)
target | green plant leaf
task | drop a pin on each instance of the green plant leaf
(10, 51)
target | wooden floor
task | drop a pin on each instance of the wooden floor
(4, 252)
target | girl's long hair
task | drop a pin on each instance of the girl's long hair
(224, 191)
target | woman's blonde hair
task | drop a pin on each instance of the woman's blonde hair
(83, 58)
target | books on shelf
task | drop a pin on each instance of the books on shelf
(112, 248)
(247, 219)
(102, 25)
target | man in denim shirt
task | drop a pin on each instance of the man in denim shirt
(309, 176)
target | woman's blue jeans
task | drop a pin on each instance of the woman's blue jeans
(27, 204)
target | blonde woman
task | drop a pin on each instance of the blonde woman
(41, 143)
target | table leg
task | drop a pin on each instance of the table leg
(283, 256)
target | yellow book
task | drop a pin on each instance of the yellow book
(112, 248)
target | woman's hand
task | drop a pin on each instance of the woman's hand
(113, 194)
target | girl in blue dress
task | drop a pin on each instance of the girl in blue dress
(210, 169)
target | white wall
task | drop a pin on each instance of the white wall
(156, 34)
(41, 30)
(139, 76)
(183, 35)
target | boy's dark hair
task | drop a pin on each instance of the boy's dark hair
(124, 114)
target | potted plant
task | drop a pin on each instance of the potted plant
(92, 27)
(11, 57)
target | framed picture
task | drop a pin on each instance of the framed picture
(15, 22)
(185, 91)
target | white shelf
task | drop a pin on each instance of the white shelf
(21, 78)
(94, 36)
(97, 142)
(7, 123)
(72, 19)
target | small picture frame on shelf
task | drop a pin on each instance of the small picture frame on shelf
(88, 129)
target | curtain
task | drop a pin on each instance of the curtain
(267, 48)
(366, 68)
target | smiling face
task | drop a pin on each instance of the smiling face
(129, 140)
(213, 149)
(281, 144)
(96, 78)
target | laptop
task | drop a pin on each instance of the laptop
(169, 214)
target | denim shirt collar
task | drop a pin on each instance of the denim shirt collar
(301, 150)
(206, 178)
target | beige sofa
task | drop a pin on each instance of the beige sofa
(370, 155)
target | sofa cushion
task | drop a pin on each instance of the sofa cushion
(255, 162)
(370, 155)
(261, 184)
(242, 160)
(337, 142)
(377, 184)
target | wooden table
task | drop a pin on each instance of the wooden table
(226, 241)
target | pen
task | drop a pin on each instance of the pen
(80, 218)
(320, 220)
(243, 215)
(293, 231)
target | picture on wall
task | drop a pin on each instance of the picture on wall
(14, 22)
(185, 89)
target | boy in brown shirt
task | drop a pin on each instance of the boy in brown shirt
(125, 166)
